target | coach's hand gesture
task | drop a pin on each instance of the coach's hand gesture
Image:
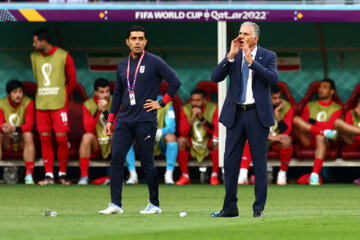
(235, 48)
(247, 53)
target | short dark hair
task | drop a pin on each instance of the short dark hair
(199, 91)
(43, 34)
(136, 28)
(332, 83)
(13, 84)
(274, 88)
(101, 82)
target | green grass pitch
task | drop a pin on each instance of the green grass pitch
(330, 211)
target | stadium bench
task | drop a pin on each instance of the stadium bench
(75, 113)
(338, 162)
(211, 88)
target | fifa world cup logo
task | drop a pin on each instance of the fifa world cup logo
(46, 71)
(274, 128)
(321, 116)
(103, 140)
(14, 120)
(197, 128)
(102, 120)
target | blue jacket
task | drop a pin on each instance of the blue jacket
(152, 71)
(170, 124)
(264, 73)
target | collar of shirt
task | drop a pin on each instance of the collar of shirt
(96, 100)
(52, 50)
(203, 108)
(326, 104)
(253, 53)
(12, 105)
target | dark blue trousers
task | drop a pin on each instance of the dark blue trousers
(246, 127)
(124, 134)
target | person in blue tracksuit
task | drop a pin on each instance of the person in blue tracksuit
(138, 80)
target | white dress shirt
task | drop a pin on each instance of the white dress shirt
(249, 92)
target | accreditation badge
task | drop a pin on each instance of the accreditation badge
(132, 98)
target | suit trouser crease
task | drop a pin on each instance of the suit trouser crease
(123, 136)
(246, 127)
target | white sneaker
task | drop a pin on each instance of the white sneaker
(107, 182)
(330, 134)
(83, 180)
(132, 180)
(151, 209)
(29, 179)
(314, 179)
(281, 178)
(169, 178)
(243, 177)
(112, 209)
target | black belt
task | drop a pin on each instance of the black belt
(245, 107)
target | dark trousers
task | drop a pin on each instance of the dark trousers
(124, 134)
(246, 127)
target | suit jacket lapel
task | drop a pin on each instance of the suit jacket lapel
(239, 59)
(259, 53)
(258, 58)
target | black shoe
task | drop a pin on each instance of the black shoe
(226, 213)
(258, 214)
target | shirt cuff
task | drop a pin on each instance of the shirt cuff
(231, 60)
(110, 118)
(166, 98)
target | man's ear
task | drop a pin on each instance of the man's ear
(332, 92)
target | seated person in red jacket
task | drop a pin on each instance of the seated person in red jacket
(198, 129)
(94, 141)
(279, 138)
(17, 122)
(349, 130)
(316, 125)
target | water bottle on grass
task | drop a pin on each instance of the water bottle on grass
(49, 214)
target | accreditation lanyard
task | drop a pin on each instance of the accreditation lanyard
(132, 88)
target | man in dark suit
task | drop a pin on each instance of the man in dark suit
(247, 113)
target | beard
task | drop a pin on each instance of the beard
(323, 97)
(276, 105)
(16, 101)
(39, 49)
(197, 107)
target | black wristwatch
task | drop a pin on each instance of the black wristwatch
(161, 103)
